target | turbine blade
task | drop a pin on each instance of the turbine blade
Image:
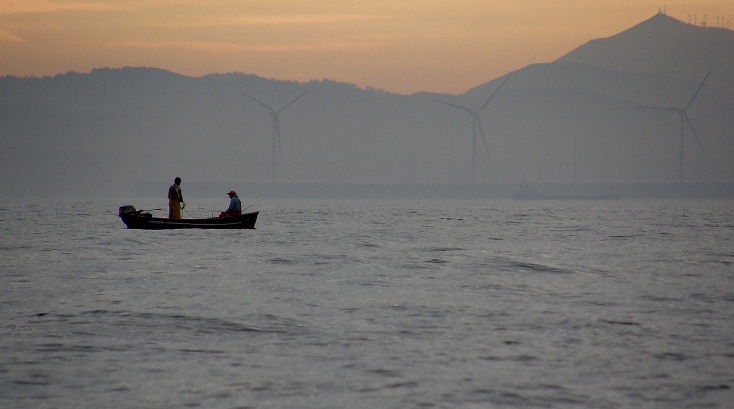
(690, 125)
(693, 98)
(465, 109)
(268, 107)
(293, 101)
(481, 132)
(486, 103)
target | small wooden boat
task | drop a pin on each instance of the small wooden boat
(140, 219)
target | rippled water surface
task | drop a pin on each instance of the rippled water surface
(371, 304)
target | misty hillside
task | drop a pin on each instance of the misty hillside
(665, 47)
(576, 120)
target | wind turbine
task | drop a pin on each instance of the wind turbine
(476, 125)
(276, 124)
(684, 120)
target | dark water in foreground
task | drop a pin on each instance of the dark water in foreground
(374, 304)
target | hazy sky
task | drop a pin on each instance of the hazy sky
(402, 46)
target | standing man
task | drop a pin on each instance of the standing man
(175, 200)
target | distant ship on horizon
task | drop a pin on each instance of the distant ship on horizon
(531, 193)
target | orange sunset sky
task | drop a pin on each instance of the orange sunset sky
(402, 46)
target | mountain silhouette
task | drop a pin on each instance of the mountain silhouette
(663, 46)
(574, 120)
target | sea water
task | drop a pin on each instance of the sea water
(371, 304)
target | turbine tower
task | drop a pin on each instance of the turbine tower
(476, 125)
(684, 120)
(276, 125)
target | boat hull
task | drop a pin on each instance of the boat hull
(136, 219)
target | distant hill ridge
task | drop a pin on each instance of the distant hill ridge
(664, 46)
(574, 120)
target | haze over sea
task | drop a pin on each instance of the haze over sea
(371, 304)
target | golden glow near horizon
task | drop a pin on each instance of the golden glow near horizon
(400, 46)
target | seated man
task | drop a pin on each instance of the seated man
(235, 206)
